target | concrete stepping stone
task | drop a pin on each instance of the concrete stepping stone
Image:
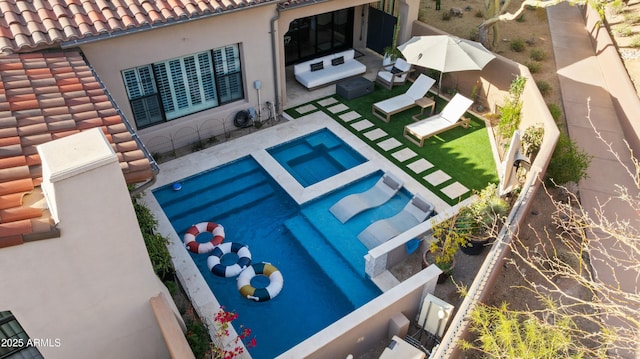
(306, 109)
(404, 154)
(349, 116)
(437, 177)
(454, 190)
(338, 108)
(389, 144)
(375, 134)
(362, 125)
(420, 165)
(327, 101)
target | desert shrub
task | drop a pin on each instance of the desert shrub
(517, 45)
(473, 34)
(623, 30)
(446, 16)
(617, 6)
(635, 41)
(555, 110)
(532, 139)
(537, 54)
(631, 18)
(533, 66)
(479, 14)
(520, 18)
(544, 87)
(568, 163)
(510, 113)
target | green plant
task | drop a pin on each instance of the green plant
(520, 18)
(568, 163)
(533, 66)
(484, 215)
(544, 87)
(555, 110)
(617, 6)
(156, 244)
(537, 54)
(517, 45)
(532, 140)
(510, 113)
(447, 239)
(635, 41)
(392, 51)
(479, 14)
(446, 16)
(197, 337)
(172, 286)
(504, 333)
(197, 146)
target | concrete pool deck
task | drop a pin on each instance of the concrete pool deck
(255, 145)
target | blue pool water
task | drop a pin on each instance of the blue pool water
(320, 258)
(316, 157)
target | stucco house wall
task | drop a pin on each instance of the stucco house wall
(248, 27)
(89, 288)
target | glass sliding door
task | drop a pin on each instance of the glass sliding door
(318, 35)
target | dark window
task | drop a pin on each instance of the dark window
(170, 89)
(14, 340)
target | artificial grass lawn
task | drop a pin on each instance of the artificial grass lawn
(463, 153)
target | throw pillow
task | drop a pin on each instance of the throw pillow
(395, 70)
(317, 66)
(337, 61)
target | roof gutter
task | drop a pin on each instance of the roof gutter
(154, 165)
(147, 27)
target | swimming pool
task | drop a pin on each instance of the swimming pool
(316, 157)
(320, 258)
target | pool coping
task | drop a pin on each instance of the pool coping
(172, 171)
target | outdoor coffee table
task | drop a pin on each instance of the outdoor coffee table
(354, 87)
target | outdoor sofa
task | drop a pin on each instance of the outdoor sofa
(328, 69)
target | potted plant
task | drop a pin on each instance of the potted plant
(447, 238)
(482, 218)
(391, 52)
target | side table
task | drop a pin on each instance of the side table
(424, 103)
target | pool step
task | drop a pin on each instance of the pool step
(343, 242)
(354, 286)
(230, 192)
(194, 187)
(210, 210)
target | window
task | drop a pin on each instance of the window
(170, 89)
(14, 340)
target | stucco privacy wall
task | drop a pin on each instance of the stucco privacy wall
(248, 27)
(91, 287)
(363, 328)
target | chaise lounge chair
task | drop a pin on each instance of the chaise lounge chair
(415, 212)
(386, 108)
(386, 187)
(450, 117)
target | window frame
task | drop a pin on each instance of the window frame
(207, 79)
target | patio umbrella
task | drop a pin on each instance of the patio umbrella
(445, 53)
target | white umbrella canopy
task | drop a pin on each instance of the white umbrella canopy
(445, 53)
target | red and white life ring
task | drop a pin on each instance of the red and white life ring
(194, 246)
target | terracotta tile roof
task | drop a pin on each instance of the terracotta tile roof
(45, 96)
(32, 24)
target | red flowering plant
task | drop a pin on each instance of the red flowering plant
(225, 347)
